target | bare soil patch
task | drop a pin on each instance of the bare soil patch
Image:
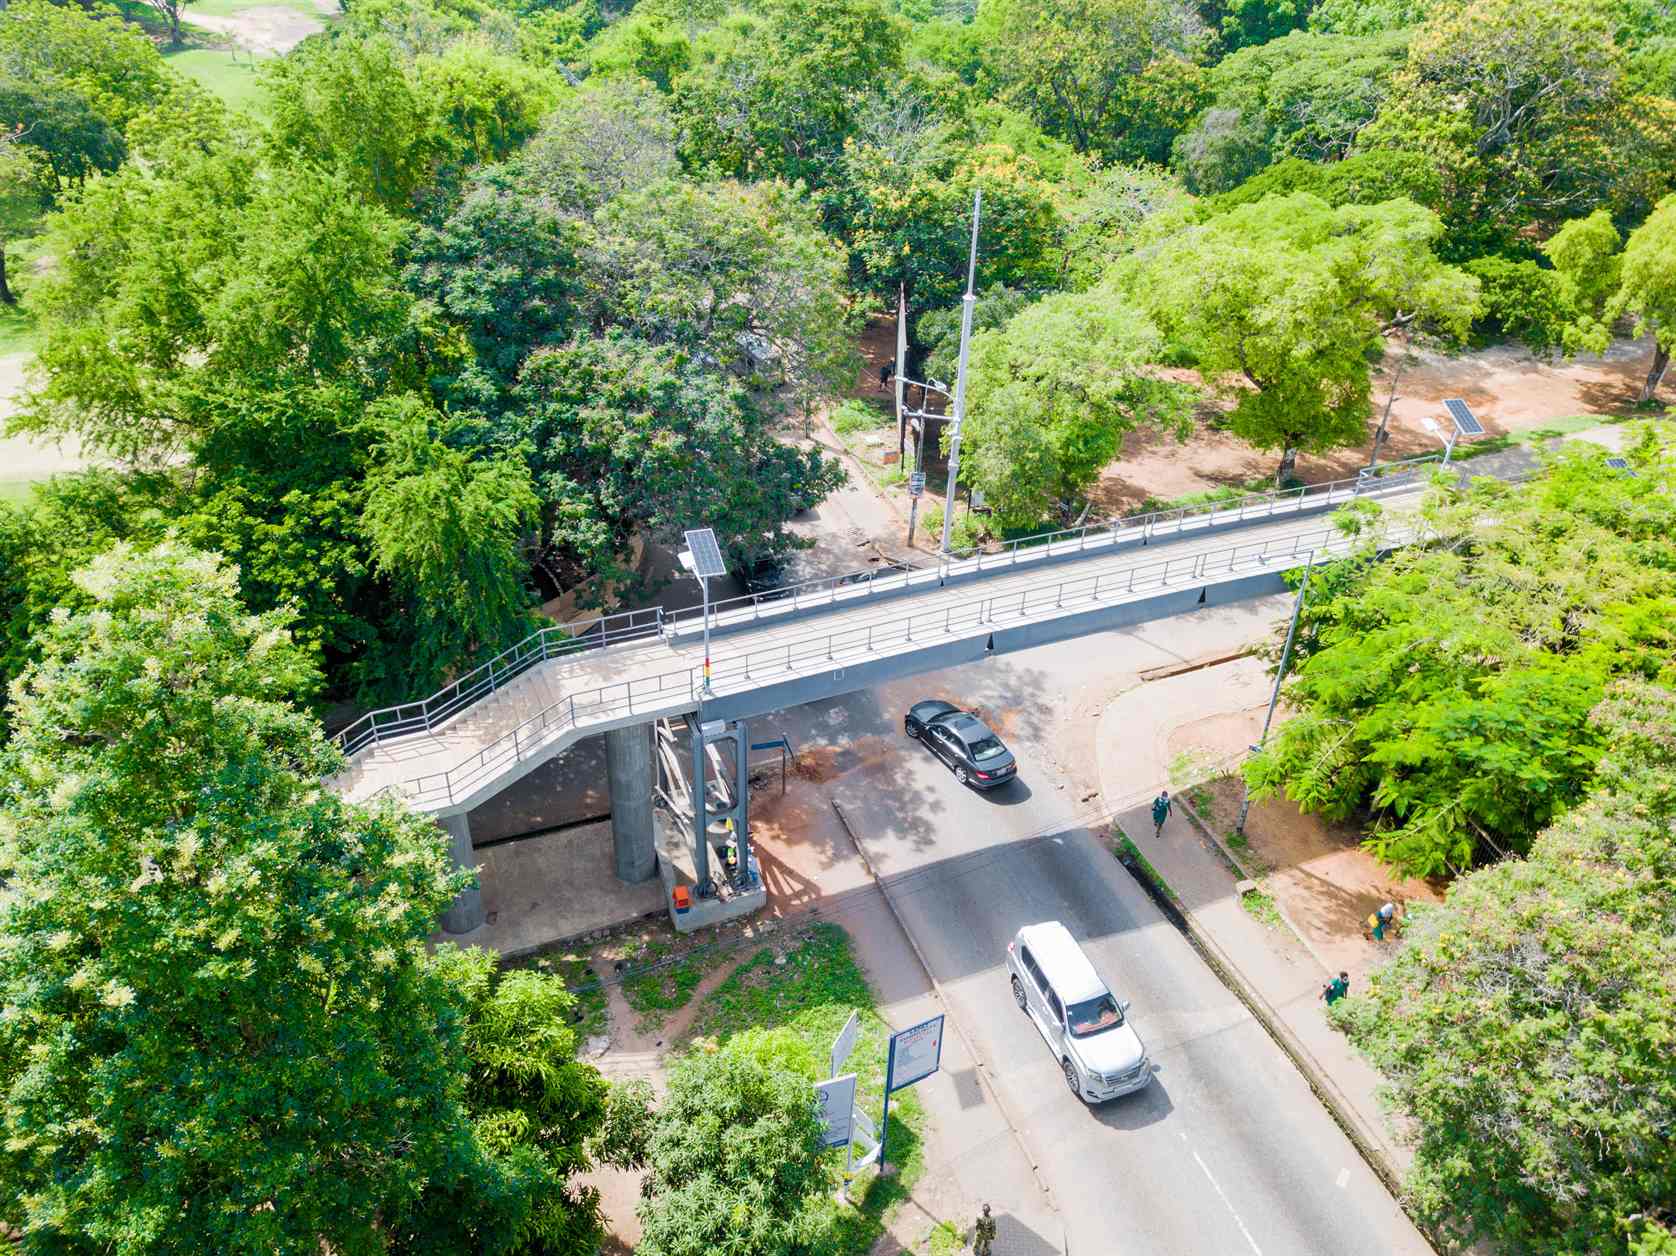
(266, 29)
(1324, 882)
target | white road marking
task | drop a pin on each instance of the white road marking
(1343, 1177)
(1230, 1207)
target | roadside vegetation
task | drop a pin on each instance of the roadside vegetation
(488, 294)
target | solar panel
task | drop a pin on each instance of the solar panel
(1618, 464)
(1465, 423)
(707, 555)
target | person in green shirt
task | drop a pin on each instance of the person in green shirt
(1336, 989)
(1160, 813)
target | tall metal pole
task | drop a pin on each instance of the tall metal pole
(1280, 675)
(705, 585)
(966, 304)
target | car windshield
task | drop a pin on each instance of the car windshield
(1093, 1015)
(986, 748)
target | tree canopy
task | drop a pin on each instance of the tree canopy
(1282, 301)
(1445, 691)
(1524, 1026)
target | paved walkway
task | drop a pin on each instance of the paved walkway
(529, 719)
(1273, 962)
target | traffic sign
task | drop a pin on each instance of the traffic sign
(836, 1100)
(916, 483)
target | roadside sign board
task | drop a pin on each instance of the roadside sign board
(916, 483)
(836, 1100)
(844, 1043)
(915, 1053)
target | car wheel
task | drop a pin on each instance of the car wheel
(960, 775)
(1018, 995)
(908, 727)
(1071, 1078)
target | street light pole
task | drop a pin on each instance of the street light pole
(1280, 675)
(966, 305)
(704, 584)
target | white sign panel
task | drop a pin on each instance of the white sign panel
(836, 1100)
(915, 1053)
(844, 1043)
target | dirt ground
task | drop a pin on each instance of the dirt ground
(1324, 883)
(1507, 387)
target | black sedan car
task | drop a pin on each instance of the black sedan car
(963, 741)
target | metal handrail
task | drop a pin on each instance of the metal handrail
(452, 785)
(546, 643)
(861, 585)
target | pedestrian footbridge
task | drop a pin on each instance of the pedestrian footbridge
(448, 753)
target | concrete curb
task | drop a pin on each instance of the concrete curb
(1343, 1112)
(971, 1048)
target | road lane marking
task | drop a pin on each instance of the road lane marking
(1342, 1179)
(1229, 1206)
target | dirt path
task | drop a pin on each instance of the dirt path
(265, 29)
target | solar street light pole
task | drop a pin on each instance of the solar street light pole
(966, 305)
(704, 584)
(1280, 675)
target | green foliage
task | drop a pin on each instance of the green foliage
(734, 1153)
(1051, 396)
(939, 330)
(1524, 1026)
(911, 219)
(87, 54)
(778, 96)
(1283, 302)
(1111, 77)
(1523, 300)
(1648, 288)
(534, 1110)
(722, 268)
(1447, 689)
(445, 528)
(853, 416)
(1522, 107)
(1119, 208)
(1307, 96)
(190, 918)
(1360, 179)
(1369, 17)
(625, 437)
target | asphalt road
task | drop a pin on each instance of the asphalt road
(1227, 1151)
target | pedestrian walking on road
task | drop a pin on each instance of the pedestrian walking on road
(1160, 812)
(1336, 989)
(983, 1234)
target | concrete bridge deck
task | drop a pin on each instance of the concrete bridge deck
(453, 753)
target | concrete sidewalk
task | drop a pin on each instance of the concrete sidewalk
(1277, 976)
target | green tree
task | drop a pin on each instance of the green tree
(447, 530)
(912, 221)
(1523, 1028)
(1523, 108)
(628, 438)
(1648, 288)
(777, 96)
(1307, 95)
(739, 272)
(734, 1154)
(485, 105)
(1099, 73)
(222, 1033)
(356, 104)
(607, 137)
(1284, 302)
(1447, 690)
(22, 186)
(175, 277)
(1051, 396)
(89, 52)
(533, 1108)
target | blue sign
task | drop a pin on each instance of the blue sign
(915, 1054)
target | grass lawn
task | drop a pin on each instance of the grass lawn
(17, 330)
(238, 82)
(811, 995)
(656, 991)
(226, 8)
(1550, 429)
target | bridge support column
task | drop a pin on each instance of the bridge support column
(466, 913)
(628, 765)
